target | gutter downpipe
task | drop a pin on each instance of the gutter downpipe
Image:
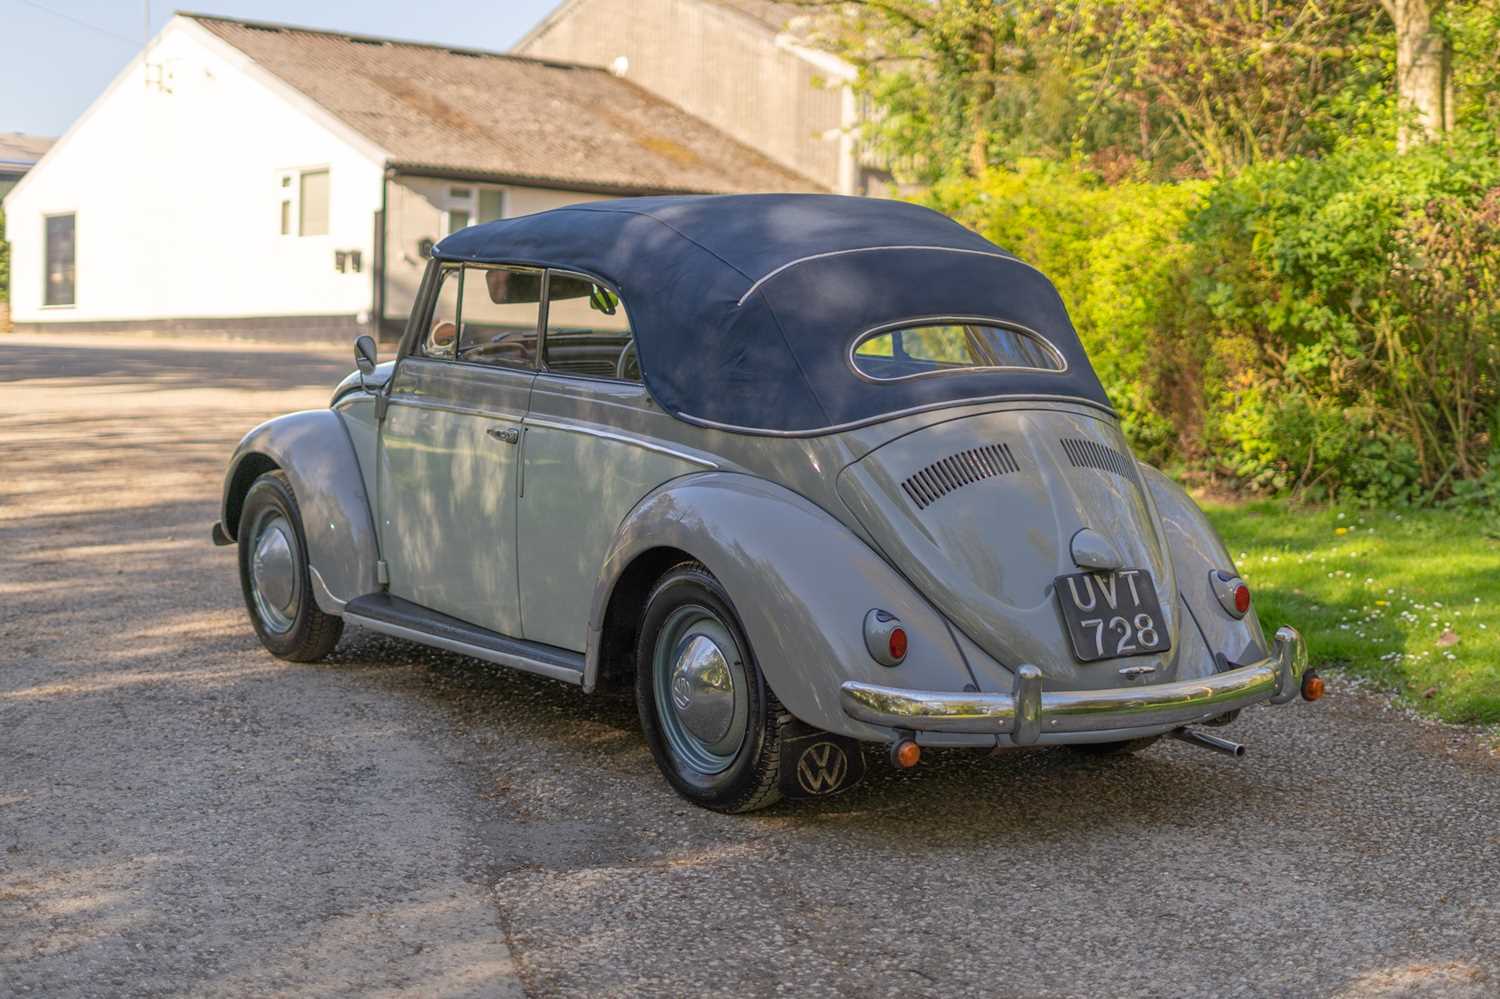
(377, 321)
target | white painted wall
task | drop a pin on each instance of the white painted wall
(177, 197)
(417, 208)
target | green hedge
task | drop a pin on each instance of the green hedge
(1329, 326)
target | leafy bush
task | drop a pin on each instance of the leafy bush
(1115, 253)
(4, 261)
(1351, 304)
(1328, 326)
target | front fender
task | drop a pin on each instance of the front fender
(1196, 551)
(802, 584)
(314, 450)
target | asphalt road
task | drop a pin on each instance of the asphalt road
(180, 813)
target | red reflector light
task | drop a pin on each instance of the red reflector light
(1242, 598)
(898, 643)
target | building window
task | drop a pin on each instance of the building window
(303, 203)
(466, 206)
(61, 250)
(312, 197)
(491, 204)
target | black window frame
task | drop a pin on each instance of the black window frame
(541, 352)
(420, 320)
(427, 302)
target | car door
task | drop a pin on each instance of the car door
(594, 447)
(449, 446)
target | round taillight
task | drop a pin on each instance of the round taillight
(1242, 598)
(885, 637)
(1233, 594)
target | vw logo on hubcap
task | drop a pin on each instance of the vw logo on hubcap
(682, 692)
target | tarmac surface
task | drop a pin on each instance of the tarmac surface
(181, 813)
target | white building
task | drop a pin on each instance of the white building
(744, 66)
(251, 177)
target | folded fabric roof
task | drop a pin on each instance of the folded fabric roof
(745, 306)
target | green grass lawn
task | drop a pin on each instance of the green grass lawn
(1410, 599)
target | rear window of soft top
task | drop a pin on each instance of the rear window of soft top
(939, 346)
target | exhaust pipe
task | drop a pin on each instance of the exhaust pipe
(1203, 739)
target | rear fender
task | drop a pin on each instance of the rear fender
(801, 583)
(1196, 551)
(314, 450)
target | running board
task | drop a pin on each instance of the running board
(403, 619)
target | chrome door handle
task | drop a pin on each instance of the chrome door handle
(505, 435)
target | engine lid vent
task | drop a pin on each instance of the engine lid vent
(1091, 454)
(930, 484)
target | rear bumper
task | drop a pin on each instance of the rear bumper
(1027, 713)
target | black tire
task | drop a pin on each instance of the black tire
(1123, 748)
(304, 633)
(749, 781)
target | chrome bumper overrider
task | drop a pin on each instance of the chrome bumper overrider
(1028, 712)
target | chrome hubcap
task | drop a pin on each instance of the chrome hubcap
(701, 689)
(273, 571)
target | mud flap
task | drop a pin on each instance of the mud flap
(818, 764)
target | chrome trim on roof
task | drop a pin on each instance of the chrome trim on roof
(870, 249)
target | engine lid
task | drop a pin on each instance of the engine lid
(984, 513)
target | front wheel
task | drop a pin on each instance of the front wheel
(274, 575)
(712, 722)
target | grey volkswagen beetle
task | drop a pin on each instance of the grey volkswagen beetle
(807, 472)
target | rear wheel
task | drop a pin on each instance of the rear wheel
(274, 575)
(712, 722)
(1125, 747)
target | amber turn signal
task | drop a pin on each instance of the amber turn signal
(906, 754)
(1312, 686)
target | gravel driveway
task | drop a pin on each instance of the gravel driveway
(182, 813)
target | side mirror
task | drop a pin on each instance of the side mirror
(364, 356)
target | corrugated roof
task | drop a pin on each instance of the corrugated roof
(17, 147)
(471, 112)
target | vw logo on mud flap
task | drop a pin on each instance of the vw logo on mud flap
(822, 768)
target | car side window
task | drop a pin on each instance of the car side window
(486, 315)
(588, 330)
(498, 312)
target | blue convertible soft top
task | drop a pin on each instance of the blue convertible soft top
(745, 307)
